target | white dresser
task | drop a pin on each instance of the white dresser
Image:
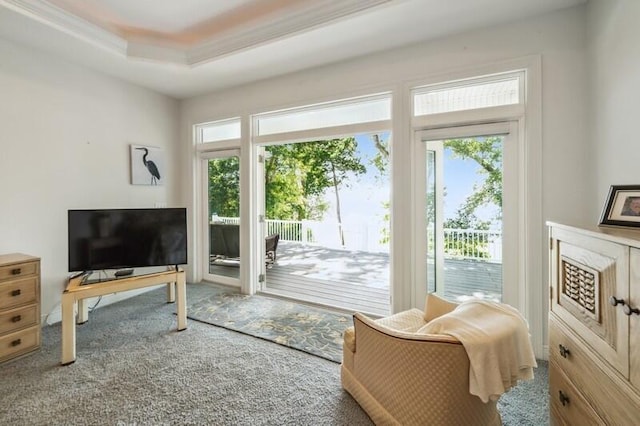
(594, 326)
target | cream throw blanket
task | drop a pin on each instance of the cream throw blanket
(496, 338)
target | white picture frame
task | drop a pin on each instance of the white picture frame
(147, 165)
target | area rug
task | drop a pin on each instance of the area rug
(313, 330)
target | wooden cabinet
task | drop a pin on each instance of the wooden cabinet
(594, 324)
(19, 305)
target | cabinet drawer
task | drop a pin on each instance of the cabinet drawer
(609, 394)
(18, 343)
(568, 407)
(18, 270)
(16, 319)
(586, 273)
(18, 292)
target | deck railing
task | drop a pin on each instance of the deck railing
(473, 244)
(459, 243)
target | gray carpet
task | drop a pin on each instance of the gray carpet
(133, 368)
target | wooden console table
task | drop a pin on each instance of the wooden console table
(76, 293)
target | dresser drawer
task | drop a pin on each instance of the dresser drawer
(609, 394)
(18, 292)
(568, 407)
(16, 319)
(18, 270)
(19, 343)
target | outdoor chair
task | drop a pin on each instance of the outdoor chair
(271, 245)
(403, 371)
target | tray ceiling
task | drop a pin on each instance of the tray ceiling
(186, 47)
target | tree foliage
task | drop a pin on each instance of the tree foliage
(224, 187)
(381, 160)
(298, 175)
(487, 152)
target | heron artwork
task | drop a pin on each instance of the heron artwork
(151, 166)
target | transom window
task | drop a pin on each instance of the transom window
(467, 94)
(219, 131)
(340, 113)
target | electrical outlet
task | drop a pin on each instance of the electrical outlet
(160, 204)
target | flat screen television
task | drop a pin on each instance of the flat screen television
(126, 238)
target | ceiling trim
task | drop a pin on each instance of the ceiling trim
(61, 20)
(308, 16)
(320, 12)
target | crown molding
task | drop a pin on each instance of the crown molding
(318, 13)
(310, 15)
(61, 20)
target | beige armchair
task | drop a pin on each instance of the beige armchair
(401, 376)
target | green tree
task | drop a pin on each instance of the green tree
(298, 175)
(381, 160)
(331, 163)
(224, 188)
(284, 184)
(487, 152)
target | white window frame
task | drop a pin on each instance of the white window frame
(533, 295)
(259, 142)
(203, 152)
(512, 246)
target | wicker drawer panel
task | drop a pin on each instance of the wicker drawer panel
(18, 292)
(19, 343)
(580, 284)
(575, 410)
(16, 319)
(18, 270)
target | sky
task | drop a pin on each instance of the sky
(366, 195)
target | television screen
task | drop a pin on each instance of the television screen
(127, 238)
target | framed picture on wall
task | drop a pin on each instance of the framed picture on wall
(147, 165)
(622, 207)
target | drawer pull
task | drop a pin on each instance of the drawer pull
(564, 352)
(16, 271)
(615, 301)
(17, 318)
(564, 399)
(16, 292)
(628, 310)
(16, 342)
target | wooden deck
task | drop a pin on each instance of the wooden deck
(359, 281)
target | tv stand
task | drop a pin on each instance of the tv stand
(76, 293)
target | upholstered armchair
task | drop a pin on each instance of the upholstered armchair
(401, 376)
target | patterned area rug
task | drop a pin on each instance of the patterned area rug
(313, 330)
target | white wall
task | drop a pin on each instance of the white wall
(560, 40)
(614, 64)
(64, 143)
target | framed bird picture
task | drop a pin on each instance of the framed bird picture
(147, 165)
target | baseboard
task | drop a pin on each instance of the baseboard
(545, 353)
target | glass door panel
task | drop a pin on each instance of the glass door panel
(223, 217)
(326, 222)
(464, 189)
